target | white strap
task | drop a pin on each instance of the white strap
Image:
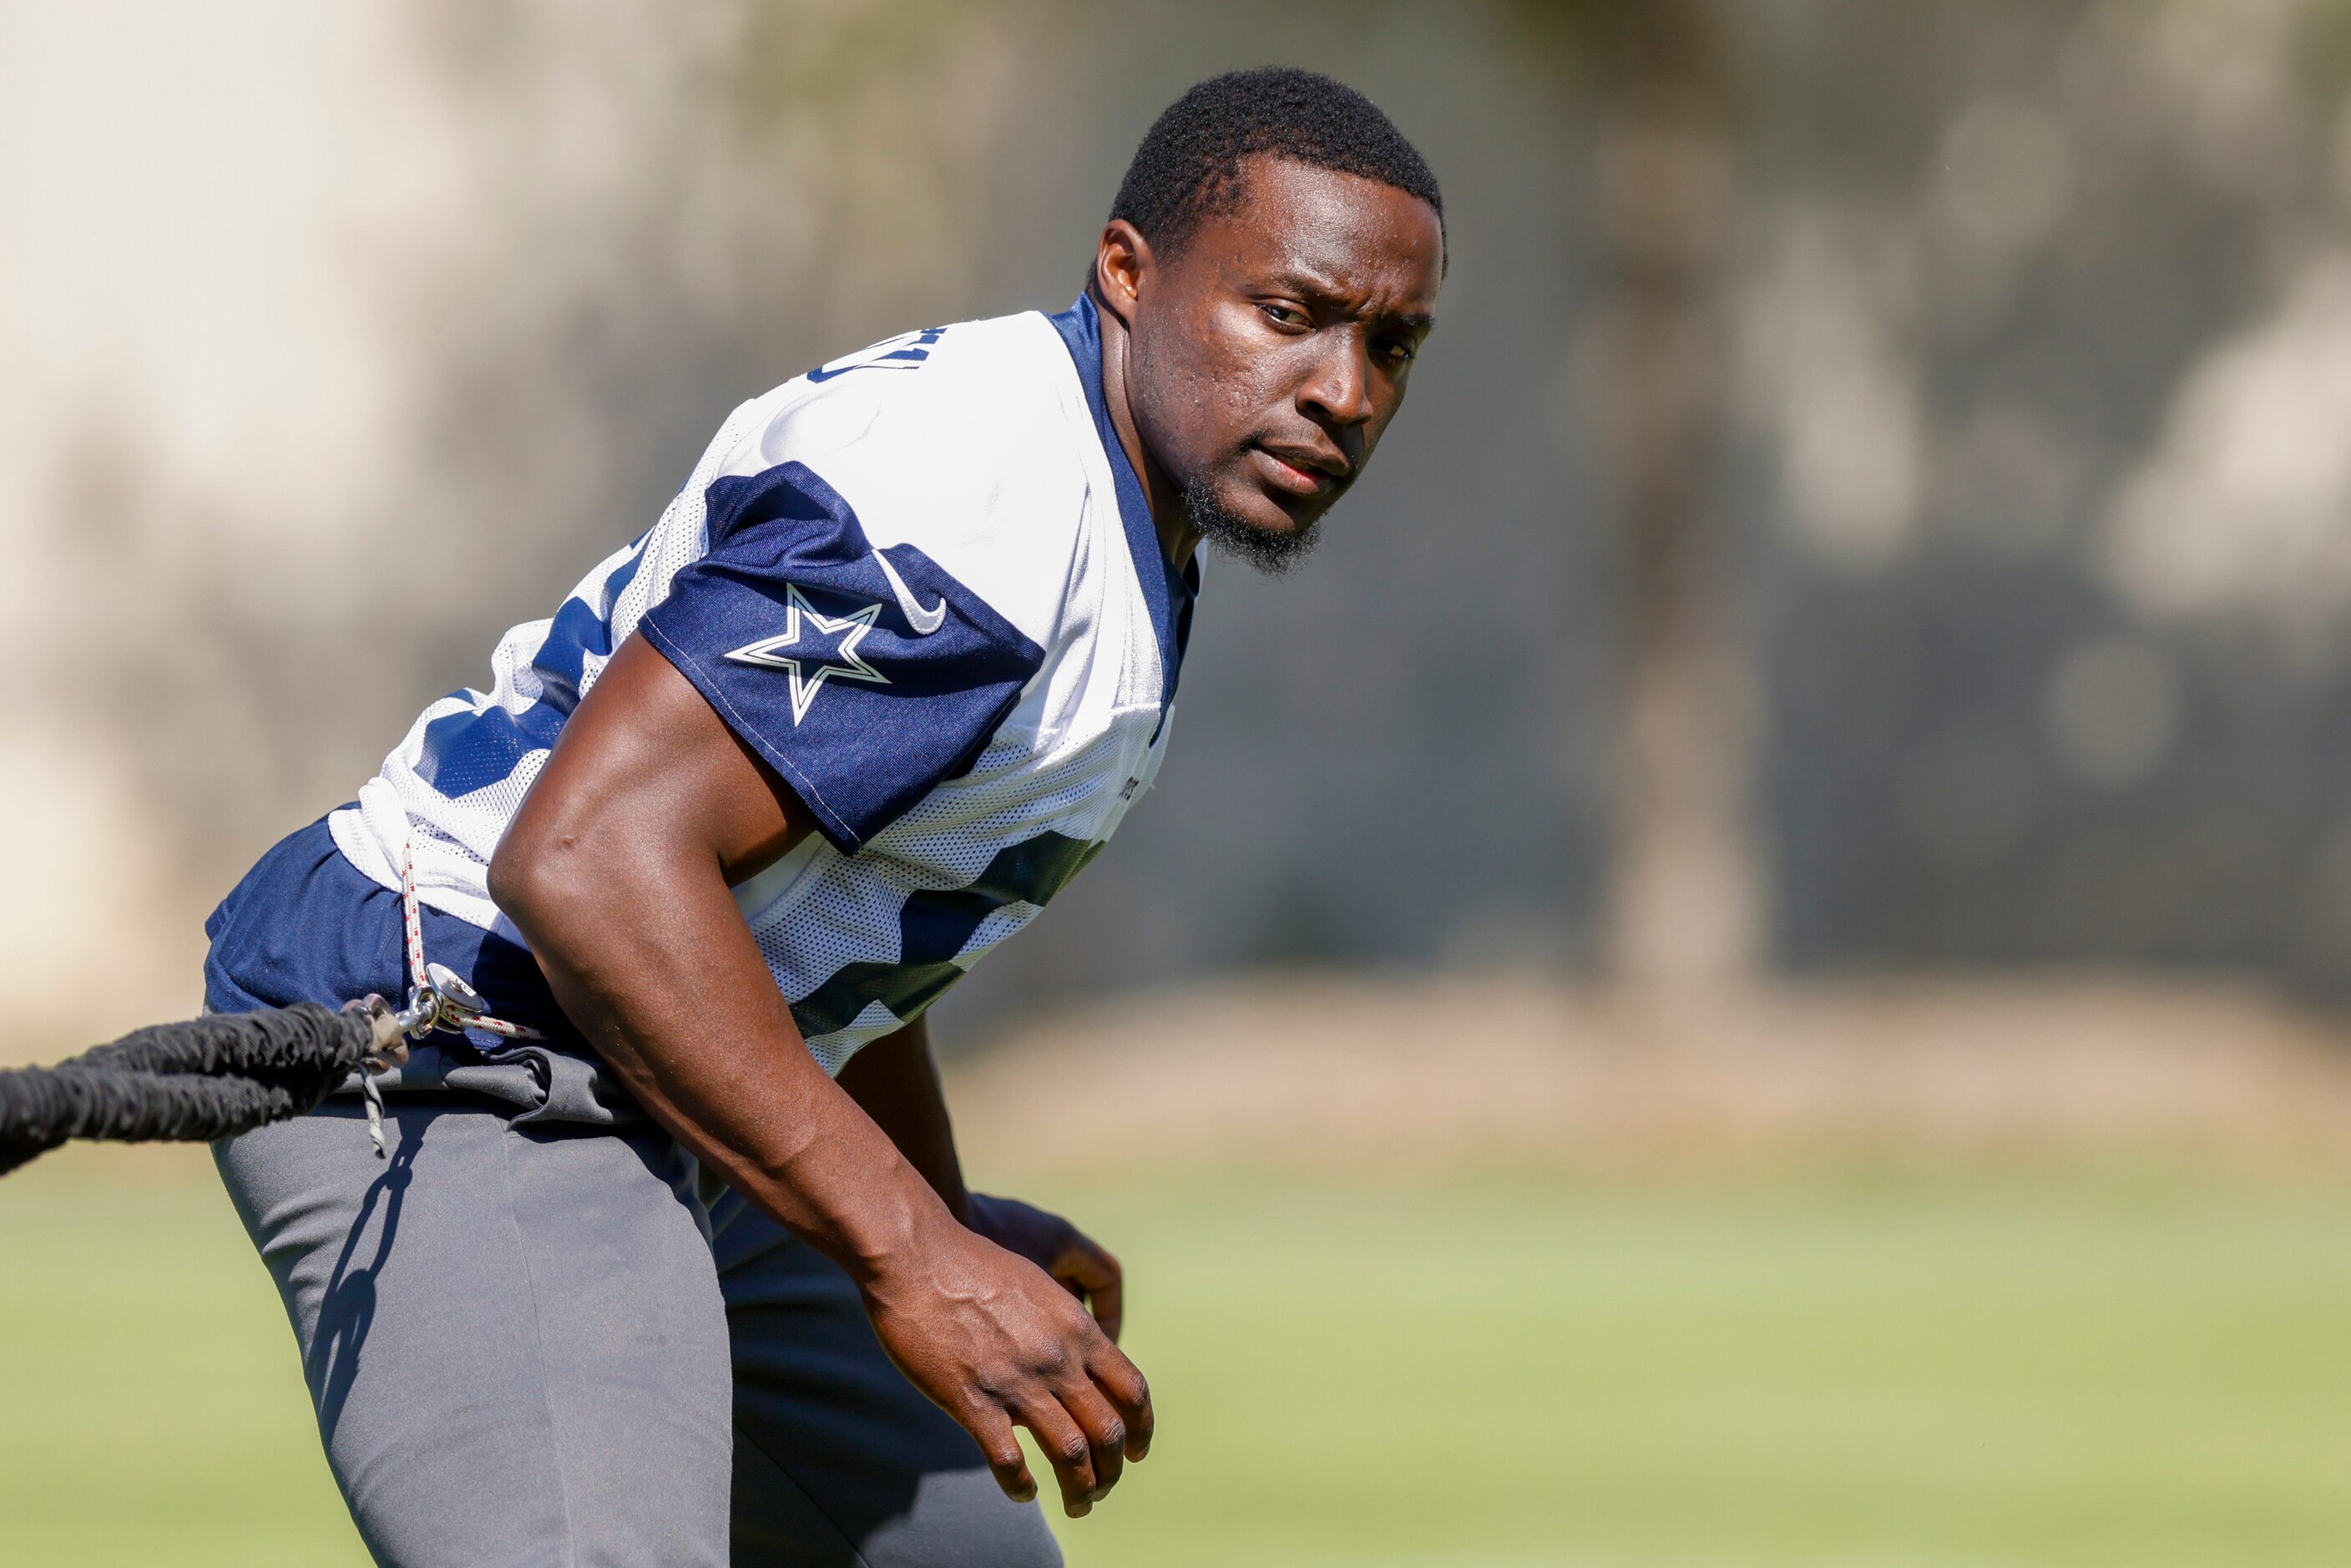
(438, 999)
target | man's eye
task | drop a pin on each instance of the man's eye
(1286, 315)
(1400, 353)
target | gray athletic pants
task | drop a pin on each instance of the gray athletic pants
(536, 1334)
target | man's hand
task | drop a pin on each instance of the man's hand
(997, 1343)
(1077, 1263)
(1084, 1400)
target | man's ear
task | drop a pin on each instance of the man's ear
(1123, 266)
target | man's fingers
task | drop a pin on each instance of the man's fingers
(1121, 1383)
(1001, 1449)
(1104, 1429)
(1092, 1272)
(1065, 1448)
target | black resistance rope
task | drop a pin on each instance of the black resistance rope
(190, 1083)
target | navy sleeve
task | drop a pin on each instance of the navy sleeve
(862, 677)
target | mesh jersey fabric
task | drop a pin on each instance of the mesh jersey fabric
(922, 582)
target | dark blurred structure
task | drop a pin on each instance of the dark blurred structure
(2049, 503)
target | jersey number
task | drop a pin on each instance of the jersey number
(904, 352)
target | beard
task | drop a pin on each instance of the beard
(1234, 534)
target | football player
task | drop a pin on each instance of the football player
(672, 1261)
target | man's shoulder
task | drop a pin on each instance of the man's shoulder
(968, 444)
(978, 399)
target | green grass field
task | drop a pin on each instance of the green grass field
(2046, 1369)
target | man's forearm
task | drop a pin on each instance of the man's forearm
(680, 1004)
(895, 1081)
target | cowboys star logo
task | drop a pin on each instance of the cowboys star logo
(814, 648)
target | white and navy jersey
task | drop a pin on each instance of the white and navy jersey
(923, 584)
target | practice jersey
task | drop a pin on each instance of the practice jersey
(922, 582)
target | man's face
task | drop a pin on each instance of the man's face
(1271, 352)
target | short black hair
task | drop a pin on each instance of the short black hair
(1189, 165)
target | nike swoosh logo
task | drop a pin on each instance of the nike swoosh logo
(925, 622)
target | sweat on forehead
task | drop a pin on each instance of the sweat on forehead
(1191, 162)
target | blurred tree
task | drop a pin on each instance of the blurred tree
(1686, 898)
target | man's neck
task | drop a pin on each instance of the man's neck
(1177, 537)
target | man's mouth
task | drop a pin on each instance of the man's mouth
(1298, 472)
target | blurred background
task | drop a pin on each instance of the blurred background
(1743, 968)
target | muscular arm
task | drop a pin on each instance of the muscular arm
(618, 868)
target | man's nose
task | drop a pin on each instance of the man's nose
(1340, 389)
